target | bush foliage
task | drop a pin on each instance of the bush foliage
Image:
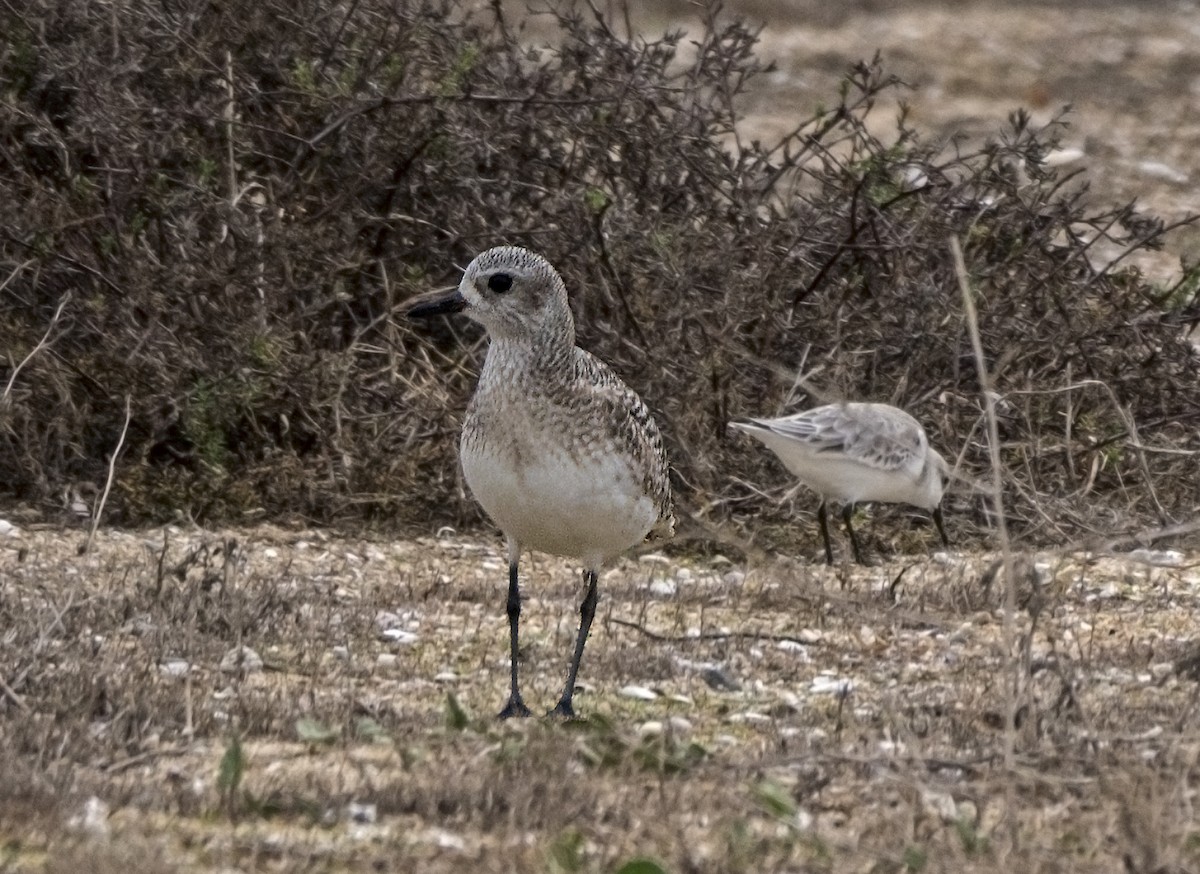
(214, 211)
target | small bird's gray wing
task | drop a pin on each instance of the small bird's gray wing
(876, 435)
(623, 418)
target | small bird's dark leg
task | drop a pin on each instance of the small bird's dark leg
(823, 518)
(847, 512)
(515, 706)
(937, 520)
(587, 612)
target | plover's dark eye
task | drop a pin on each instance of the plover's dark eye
(499, 282)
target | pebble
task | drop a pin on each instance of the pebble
(679, 724)
(445, 840)
(1159, 170)
(824, 684)
(720, 680)
(364, 814)
(8, 529)
(1161, 557)
(941, 805)
(793, 646)
(241, 659)
(640, 693)
(1062, 157)
(93, 819)
(174, 667)
(750, 717)
(399, 636)
(386, 659)
(662, 588)
(913, 176)
(386, 619)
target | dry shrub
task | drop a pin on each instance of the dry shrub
(233, 200)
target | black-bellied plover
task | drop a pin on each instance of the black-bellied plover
(562, 455)
(857, 452)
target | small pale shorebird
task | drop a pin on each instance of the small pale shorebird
(562, 455)
(854, 452)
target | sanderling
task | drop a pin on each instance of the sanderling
(857, 452)
(562, 455)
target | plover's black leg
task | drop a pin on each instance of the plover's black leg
(515, 706)
(587, 612)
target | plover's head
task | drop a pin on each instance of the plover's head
(510, 291)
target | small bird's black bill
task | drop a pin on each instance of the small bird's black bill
(435, 303)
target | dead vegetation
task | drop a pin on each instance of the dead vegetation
(739, 719)
(211, 215)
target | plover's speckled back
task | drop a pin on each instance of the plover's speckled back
(562, 455)
(857, 452)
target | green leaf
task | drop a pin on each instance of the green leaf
(456, 717)
(231, 768)
(641, 866)
(566, 853)
(915, 859)
(775, 799)
(368, 729)
(312, 732)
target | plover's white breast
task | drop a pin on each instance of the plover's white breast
(556, 500)
(565, 461)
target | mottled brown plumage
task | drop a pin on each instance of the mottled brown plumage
(562, 455)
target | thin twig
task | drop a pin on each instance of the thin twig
(715, 635)
(41, 344)
(985, 389)
(112, 469)
(12, 696)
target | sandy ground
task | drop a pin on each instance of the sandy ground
(1130, 73)
(778, 716)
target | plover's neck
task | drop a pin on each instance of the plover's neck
(540, 355)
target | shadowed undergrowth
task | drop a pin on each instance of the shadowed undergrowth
(215, 212)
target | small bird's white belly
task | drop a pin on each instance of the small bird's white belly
(833, 475)
(587, 507)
